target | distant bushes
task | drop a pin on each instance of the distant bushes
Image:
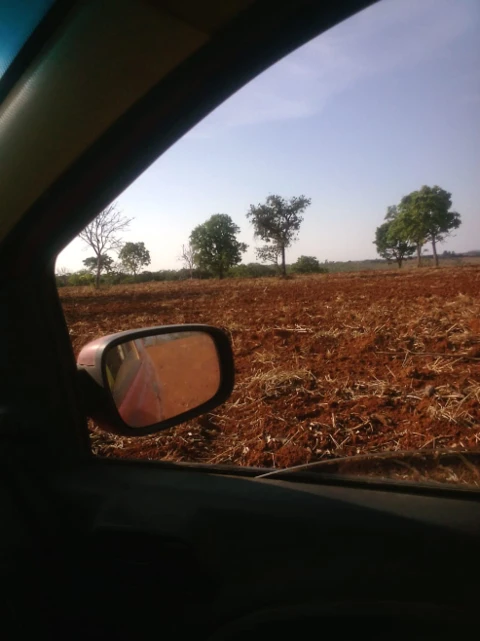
(307, 265)
(253, 270)
(84, 278)
(304, 265)
(77, 279)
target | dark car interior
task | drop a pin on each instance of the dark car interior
(98, 548)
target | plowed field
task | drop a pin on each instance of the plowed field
(326, 366)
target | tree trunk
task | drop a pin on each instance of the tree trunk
(97, 275)
(284, 267)
(419, 255)
(434, 248)
(399, 261)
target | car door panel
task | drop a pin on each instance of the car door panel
(229, 546)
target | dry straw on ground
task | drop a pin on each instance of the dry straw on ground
(329, 366)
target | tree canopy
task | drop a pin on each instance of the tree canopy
(104, 262)
(277, 222)
(216, 246)
(389, 240)
(134, 256)
(425, 216)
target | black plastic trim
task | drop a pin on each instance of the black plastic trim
(46, 29)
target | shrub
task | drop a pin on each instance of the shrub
(81, 278)
(308, 265)
(252, 270)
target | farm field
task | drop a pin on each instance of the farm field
(327, 366)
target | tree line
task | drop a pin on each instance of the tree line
(84, 277)
(213, 249)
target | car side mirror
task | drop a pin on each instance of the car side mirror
(142, 381)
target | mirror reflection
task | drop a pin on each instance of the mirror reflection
(159, 377)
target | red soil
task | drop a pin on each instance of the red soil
(327, 366)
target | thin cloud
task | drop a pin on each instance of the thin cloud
(394, 34)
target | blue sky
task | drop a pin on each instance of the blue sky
(17, 21)
(367, 112)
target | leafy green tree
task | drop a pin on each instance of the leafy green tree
(425, 216)
(278, 222)
(389, 239)
(216, 246)
(102, 235)
(134, 256)
(103, 262)
(308, 265)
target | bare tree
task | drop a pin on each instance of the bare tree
(102, 234)
(188, 258)
(269, 254)
(62, 275)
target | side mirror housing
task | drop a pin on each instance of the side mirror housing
(139, 382)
